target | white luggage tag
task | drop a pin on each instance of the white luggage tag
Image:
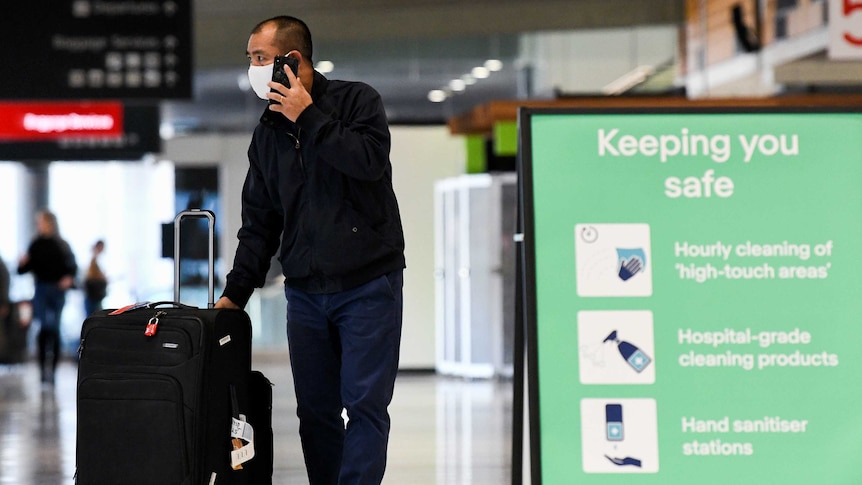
(241, 430)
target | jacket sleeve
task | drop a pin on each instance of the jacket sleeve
(358, 143)
(28, 266)
(258, 238)
(23, 268)
(69, 264)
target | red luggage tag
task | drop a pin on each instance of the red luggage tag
(153, 324)
(128, 308)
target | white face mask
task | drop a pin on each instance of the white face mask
(258, 76)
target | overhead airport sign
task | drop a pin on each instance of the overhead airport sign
(53, 121)
(97, 49)
(99, 130)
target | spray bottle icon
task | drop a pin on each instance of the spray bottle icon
(630, 352)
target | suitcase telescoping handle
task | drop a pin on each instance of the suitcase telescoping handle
(196, 213)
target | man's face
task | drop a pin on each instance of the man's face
(261, 50)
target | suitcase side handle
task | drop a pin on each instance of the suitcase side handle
(196, 213)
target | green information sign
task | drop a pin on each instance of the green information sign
(694, 296)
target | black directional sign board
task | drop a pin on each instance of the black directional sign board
(96, 49)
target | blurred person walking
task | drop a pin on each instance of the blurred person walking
(53, 265)
(5, 302)
(95, 282)
(5, 309)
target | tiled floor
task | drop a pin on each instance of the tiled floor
(445, 430)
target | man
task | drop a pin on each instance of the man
(319, 184)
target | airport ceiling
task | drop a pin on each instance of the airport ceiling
(404, 48)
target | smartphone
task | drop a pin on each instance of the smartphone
(278, 74)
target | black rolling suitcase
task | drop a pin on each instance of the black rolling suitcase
(164, 394)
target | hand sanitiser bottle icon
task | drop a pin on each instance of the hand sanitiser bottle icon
(614, 422)
(630, 352)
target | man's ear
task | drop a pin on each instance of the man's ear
(295, 54)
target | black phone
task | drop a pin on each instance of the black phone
(278, 74)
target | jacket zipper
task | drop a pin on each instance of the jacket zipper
(297, 146)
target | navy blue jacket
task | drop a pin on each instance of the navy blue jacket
(321, 190)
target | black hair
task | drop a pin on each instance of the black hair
(290, 34)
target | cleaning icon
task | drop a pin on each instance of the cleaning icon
(635, 357)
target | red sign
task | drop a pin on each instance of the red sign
(849, 7)
(845, 29)
(45, 121)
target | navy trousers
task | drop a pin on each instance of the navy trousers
(344, 356)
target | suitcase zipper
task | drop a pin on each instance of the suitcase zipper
(172, 339)
(93, 387)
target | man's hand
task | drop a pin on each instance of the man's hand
(224, 302)
(292, 100)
